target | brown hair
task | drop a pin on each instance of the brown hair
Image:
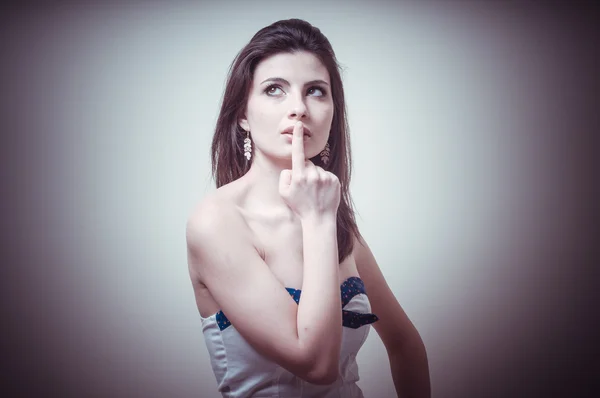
(227, 152)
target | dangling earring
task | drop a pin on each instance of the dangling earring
(325, 154)
(247, 146)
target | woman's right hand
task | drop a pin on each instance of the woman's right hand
(309, 190)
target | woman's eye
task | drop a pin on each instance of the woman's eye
(273, 90)
(316, 91)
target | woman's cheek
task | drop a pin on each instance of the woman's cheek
(323, 114)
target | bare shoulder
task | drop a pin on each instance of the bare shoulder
(208, 214)
(210, 211)
(215, 218)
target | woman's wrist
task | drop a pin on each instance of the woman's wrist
(321, 220)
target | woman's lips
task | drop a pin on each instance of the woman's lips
(290, 135)
(290, 130)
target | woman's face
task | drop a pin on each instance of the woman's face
(288, 87)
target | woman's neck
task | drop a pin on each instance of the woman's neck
(261, 184)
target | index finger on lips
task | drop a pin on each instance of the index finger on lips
(298, 148)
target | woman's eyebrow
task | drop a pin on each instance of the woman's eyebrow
(283, 81)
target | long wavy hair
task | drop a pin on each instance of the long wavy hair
(227, 150)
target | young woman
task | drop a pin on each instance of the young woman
(279, 268)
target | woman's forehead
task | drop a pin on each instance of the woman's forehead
(300, 66)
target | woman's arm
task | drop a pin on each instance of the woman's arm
(410, 369)
(303, 338)
(405, 348)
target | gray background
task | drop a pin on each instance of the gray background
(471, 134)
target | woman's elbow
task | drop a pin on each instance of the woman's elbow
(324, 380)
(323, 376)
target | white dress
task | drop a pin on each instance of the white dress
(242, 372)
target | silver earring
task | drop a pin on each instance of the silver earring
(325, 154)
(247, 146)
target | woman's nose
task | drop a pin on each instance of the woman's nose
(298, 110)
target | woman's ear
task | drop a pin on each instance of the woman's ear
(244, 124)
